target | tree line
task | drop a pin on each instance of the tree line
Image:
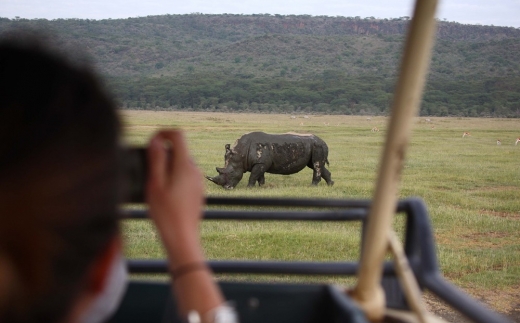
(330, 93)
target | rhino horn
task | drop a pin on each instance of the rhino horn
(219, 180)
(211, 179)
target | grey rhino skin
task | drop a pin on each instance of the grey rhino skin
(259, 152)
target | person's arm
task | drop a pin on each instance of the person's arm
(175, 194)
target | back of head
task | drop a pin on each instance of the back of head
(58, 180)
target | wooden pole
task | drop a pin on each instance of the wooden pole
(410, 287)
(368, 292)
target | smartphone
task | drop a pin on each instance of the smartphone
(135, 174)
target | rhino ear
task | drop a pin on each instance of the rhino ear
(220, 170)
(227, 146)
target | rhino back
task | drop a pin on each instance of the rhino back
(281, 154)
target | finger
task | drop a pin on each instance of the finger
(180, 158)
(156, 162)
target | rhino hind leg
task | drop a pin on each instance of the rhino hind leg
(319, 172)
(325, 174)
(257, 174)
(316, 173)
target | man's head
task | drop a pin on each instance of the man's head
(58, 181)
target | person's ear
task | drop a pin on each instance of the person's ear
(100, 269)
(96, 279)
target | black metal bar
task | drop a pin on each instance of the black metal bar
(160, 266)
(287, 202)
(343, 215)
(298, 202)
(421, 246)
(356, 205)
(126, 214)
(418, 238)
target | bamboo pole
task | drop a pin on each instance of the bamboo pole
(368, 292)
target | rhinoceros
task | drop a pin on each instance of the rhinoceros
(259, 152)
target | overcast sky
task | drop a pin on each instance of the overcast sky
(485, 12)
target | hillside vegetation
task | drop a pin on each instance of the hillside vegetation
(266, 63)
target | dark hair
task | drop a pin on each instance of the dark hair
(58, 179)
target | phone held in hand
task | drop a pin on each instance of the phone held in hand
(135, 174)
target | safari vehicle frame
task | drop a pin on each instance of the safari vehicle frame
(389, 291)
(302, 302)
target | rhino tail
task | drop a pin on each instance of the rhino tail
(327, 161)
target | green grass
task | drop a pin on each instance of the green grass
(471, 187)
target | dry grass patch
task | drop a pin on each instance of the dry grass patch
(505, 301)
(506, 215)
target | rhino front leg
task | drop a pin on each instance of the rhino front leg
(261, 180)
(257, 174)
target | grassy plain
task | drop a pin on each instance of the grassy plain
(471, 186)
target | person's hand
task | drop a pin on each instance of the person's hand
(175, 194)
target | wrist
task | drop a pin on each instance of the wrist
(184, 270)
(183, 249)
(176, 219)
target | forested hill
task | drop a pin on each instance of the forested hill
(289, 63)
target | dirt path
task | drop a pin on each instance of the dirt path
(509, 308)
